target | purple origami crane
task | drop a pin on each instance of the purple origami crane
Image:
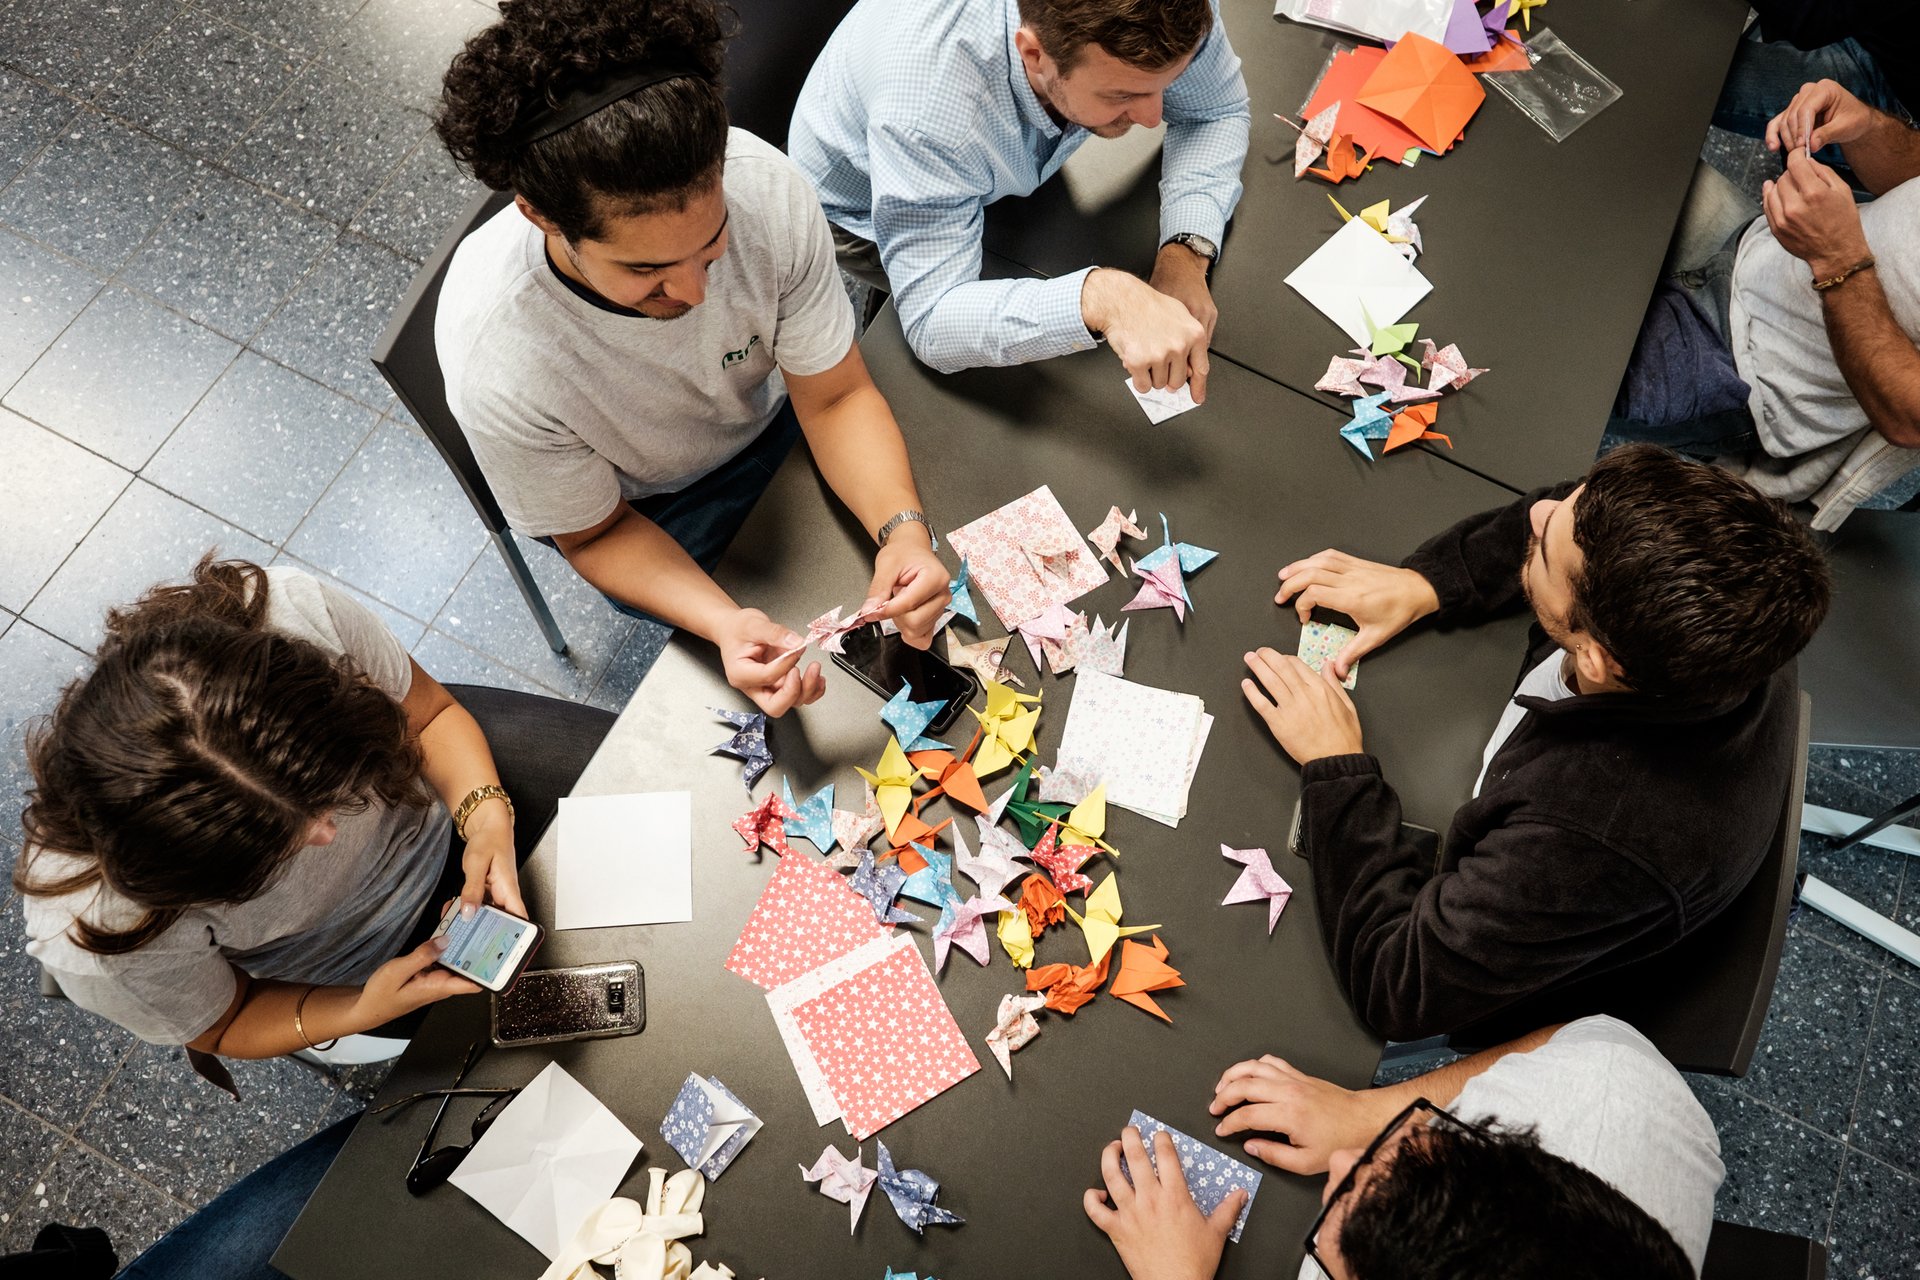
(1259, 881)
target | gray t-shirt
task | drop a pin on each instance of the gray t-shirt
(334, 914)
(572, 408)
(1807, 416)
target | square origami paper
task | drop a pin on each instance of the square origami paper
(1028, 555)
(1211, 1175)
(1357, 276)
(708, 1125)
(1143, 743)
(1321, 643)
(1422, 84)
(806, 916)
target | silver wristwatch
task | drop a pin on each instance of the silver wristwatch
(906, 517)
(1199, 244)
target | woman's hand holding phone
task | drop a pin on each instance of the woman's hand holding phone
(409, 982)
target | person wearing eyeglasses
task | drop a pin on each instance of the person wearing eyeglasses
(1576, 1152)
(633, 348)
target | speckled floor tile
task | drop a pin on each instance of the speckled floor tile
(1808, 1062)
(40, 294)
(27, 1144)
(302, 28)
(44, 40)
(122, 376)
(630, 666)
(58, 1055)
(1886, 1122)
(450, 662)
(408, 630)
(488, 613)
(421, 201)
(327, 144)
(80, 1187)
(402, 47)
(51, 492)
(1876, 1223)
(146, 537)
(1869, 875)
(1781, 1175)
(34, 667)
(395, 524)
(229, 255)
(1890, 774)
(97, 190)
(34, 115)
(160, 1120)
(261, 447)
(327, 328)
(200, 84)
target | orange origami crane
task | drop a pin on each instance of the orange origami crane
(1422, 84)
(951, 775)
(1414, 423)
(910, 832)
(1043, 904)
(1068, 986)
(1342, 161)
(1144, 969)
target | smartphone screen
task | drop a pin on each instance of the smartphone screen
(487, 946)
(886, 662)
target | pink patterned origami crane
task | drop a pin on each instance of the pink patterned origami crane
(1446, 367)
(1313, 139)
(1046, 634)
(1259, 881)
(1062, 864)
(1391, 377)
(1014, 1027)
(828, 630)
(963, 926)
(1106, 538)
(765, 824)
(1343, 376)
(854, 831)
(1160, 589)
(1098, 647)
(995, 868)
(847, 1181)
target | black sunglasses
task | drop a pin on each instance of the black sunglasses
(1417, 1107)
(434, 1165)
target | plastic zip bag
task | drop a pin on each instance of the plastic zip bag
(1561, 92)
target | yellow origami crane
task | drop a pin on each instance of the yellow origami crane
(1006, 728)
(892, 783)
(1088, 822)
(1016, 937)
(1524, 8)
(1101, 924)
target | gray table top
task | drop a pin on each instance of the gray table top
(1242, 476)
(1542, 255)
(1860, 664)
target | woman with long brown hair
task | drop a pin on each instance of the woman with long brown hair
(245, 821)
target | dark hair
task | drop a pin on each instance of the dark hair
(1148, 34)
(1699, 585)
(189, 765)
(1495, 1205)
(650, 151)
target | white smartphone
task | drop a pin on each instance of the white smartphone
(490, 946)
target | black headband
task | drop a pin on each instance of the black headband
(582, 101)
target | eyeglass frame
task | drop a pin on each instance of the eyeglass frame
(416, 1183)
(1393, 1126)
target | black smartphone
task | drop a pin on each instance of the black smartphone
(588, 1002)
(884, 662)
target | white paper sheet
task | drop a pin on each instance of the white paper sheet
(1375, 19)
(624, 860)
(1161, 403)
(1357, 268)
(1143, 743)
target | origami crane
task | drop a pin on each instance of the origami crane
(853, 831)
(880, 886)
(1160, 588)
(748, 744)
(1421, 84)
(828, 630)
(1062, 864)
(1099, 647)
(994, 869)
(1525, 9)
(1006, 728)
(1343, 376)
(1312, 141)
(1101, 924)
(1391, 340)
(951, 776)
(909, 836)
(909, 719)
(987, 659)
(1145, 969)
(1414, 423)
(765, 824)
(1258, 882)
(1446, 367)
(1066, 783)
(962, 592)
(1068, 987)
(1016, 939)
(892, 783)
(912, 1192)
(1369, 423)
(932, 883)
(1014, 1027)
(847, 1181)
(1087, 823)
(1106, 538)
(1051, 554)
(962, 925)
(812, 820)
(1390, 375)
(1190, 558)
(1343, 161)
(1034, 818)
(1494, 21)
(1042, 904)
(1046, 633)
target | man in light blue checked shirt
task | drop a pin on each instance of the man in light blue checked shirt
(920, 113)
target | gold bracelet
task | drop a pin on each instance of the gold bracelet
(300, 1025)
(473, 801)
(1834, 282)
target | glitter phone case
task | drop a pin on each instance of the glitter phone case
(589, 1002)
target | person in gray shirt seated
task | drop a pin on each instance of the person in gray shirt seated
(633, 347)
(1576, 1151)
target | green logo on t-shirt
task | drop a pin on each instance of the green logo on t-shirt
(735, 357)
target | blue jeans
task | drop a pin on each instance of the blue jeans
(1767, 73)
(234, 1235)
(704, 517)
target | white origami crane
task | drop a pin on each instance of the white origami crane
(1014, 1028)
(847, 1181)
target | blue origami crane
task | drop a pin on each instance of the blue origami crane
(1370, 422)
(1188, 556)
(814, 819)
(880, 886)
(933, 883)
(909, 719)
(911, 1193)
(962, 592)
(748, 745)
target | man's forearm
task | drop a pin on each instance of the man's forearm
(1442, 1085)
(1887, 155)
(637, 561)
(858, 447)
(1876, 357)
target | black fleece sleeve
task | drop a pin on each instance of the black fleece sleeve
(1475, 565)
(1422, 953)
(1814, 24)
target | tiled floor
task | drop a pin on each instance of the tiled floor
(207, 213)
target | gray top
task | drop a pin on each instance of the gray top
(571, 407)
(334, 914)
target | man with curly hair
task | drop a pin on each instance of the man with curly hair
(633, 347)
(921, 113)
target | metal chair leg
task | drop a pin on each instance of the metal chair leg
(1905, 809)
(530, 591)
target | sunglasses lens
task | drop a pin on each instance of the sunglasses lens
(434, 1169)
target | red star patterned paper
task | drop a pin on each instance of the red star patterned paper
(805, 917)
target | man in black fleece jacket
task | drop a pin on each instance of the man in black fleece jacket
(1636, 780)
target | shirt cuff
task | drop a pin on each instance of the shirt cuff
(1196, 214)
(1330, 768)
(1060, 328)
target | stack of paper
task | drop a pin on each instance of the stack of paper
(624, 860)
(1143, 743)
(1027, 555)
(1376, 19)
(1358, 280)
